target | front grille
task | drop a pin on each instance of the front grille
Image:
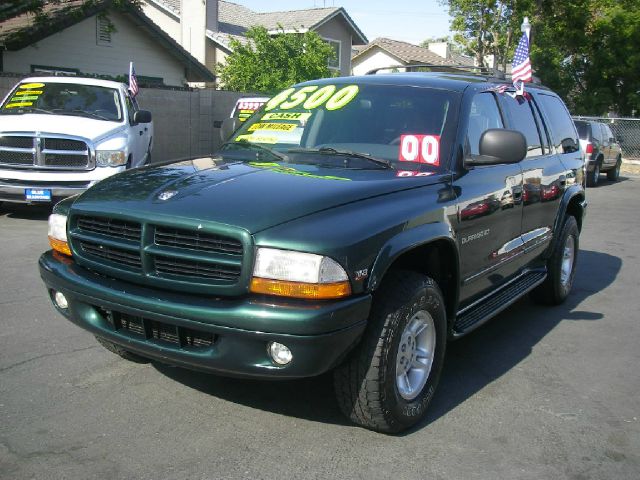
(16, 158)
(112, 254)
(200, 260)
(62, 160)
(16, 142)
(157, 332)
(45, 153)
(64, 144)
(111, 227)
(176, 266)
(195, 240)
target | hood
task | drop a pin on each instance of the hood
(252, 196)
(59, 124)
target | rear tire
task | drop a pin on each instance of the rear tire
(594, 175)
(118, 350)
(561, 267)
(614, 174)
(388, 381)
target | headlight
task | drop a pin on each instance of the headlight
(58, 233)
(300, 275)
(110, 158)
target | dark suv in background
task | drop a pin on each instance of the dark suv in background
(602, 150)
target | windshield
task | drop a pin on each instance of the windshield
(403, 127)
(100, 103)
(583, 130)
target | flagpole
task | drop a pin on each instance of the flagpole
(526, 28)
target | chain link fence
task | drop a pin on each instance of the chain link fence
(626, 130)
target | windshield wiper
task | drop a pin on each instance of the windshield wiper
(255, 146)
(343, 153)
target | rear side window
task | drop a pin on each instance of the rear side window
(597, 134)
(583, 130)
(563, 130)
(522, 120)
(484, 115)
(607, 132)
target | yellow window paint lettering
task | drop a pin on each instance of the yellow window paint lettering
(28, 92)
(274, 127)
(31, 85)
(342, 97)
(278, 99)
(23, 98)
(298, 97)
(16, 105)
(286, 116)
(319, 97)
(256, 139)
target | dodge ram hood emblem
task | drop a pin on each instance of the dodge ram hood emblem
(166, 195)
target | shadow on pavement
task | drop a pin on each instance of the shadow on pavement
(471, 363)
(25, 212)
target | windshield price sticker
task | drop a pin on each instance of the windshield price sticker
(25, 95)
(31, 85)
(274, 127)
(313, 96)
(420, 148)
(411, 173)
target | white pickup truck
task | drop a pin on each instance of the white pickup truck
(60, 135)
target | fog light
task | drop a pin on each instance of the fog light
(60, 300)
(280, 353)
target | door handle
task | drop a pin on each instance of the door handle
(140, 132)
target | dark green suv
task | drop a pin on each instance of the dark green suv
(355, 224)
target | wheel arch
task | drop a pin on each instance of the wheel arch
(573, 203)
(436, 257)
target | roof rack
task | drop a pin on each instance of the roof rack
(437, 67)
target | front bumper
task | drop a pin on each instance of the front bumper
(318, 334)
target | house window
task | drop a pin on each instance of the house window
(104, 28)
(334, 63)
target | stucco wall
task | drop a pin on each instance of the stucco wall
(77, 47)
(374, 58)
(336, 29)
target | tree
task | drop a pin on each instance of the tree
(269, 63)
(586, 50)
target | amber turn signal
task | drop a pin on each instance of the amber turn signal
(312, 291)
(60, 246)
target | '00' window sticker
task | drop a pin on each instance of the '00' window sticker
(313, 96)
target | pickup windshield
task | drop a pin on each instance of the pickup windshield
(392, 126)
(90, 101)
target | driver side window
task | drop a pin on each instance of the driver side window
(484, 114)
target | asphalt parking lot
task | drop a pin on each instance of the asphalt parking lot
(536, 393)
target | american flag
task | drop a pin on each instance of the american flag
(133, 81)
(521, 66)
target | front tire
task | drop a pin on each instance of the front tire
(561, 267)
(387, 382)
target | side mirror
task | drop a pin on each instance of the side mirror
(229, 125)
(142, 116)
(498, 146)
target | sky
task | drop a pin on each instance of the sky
(407, 20)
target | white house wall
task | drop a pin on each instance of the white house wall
(374, 58)
(76, 48)
(168, 22)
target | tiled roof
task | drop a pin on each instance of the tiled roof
(234, 19)
(407, 52)
(173, 5)
(23, 21)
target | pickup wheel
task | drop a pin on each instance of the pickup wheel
(118, 350)
(614, 174)
(387, 382)
(561, 267)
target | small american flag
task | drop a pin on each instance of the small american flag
(521, 66)
(133, 81)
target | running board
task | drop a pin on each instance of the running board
(479, 312)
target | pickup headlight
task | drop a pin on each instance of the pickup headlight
(299, 275)
(58, 233)
(110, 158)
